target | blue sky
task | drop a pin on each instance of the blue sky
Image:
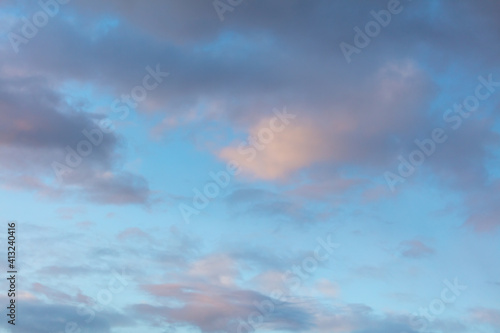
(240, 166)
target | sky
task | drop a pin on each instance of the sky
(251, 166)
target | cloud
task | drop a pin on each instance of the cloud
(68, 213)
(41, 317)
(264, 203)
(45, 120)
(371, 272)
(415, 249)
(119, 189)
(214, 309)
(134, 232)
(265, 66)
(483, 209)
(208, 295)
(292, 149)
(59, 297)
(327, 288)
(486, 316)
(69, 271)
(39, 126)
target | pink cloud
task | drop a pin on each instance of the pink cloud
(487, 316)
(295, 147)
(132, 233)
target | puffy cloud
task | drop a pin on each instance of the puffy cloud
(276, 154)
(39, 126)
(265, 69)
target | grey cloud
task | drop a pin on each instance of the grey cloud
(37, 127)
(268, 54)
(38, 317)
